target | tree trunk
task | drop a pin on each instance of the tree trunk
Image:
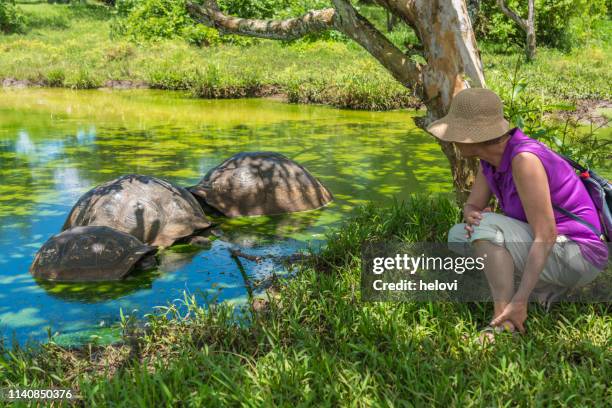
(453, 64)
(528, 26)
(445, 31)
(530, 50)
(530, 47)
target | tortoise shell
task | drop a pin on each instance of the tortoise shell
(155, 211)
(91, 253)
(261, 183)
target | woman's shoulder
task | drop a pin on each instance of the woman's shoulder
(521, 142)
(528, 150)
(526, 144)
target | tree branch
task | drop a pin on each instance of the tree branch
(312, 22)
(531, 13)
(343, 18)
(404, 10)
(512, 15)
(359, 29)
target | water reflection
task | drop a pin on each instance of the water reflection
(57, 144)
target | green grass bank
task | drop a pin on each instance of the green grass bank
(71, 46)
(316, 343)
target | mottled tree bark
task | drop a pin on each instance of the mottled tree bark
(445, 32)
(528, 26)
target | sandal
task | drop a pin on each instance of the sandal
(487, 335)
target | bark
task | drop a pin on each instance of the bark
(310, 23)
(453, 64)
(448, 43)
(531, 35)
(528, 26)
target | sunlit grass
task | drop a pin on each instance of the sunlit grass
(71, 46)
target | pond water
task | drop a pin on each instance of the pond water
(57, 144)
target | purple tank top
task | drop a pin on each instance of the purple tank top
(566, 191)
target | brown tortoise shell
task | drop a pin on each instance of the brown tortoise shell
(92, 253)
(261, 183)
(153, 210)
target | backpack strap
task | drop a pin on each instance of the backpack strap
(578, 219)
(574, 164)
(562, 210)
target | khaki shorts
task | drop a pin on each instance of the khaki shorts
(566, 267)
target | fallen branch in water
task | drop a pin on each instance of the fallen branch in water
(293, 258)
(238, 253)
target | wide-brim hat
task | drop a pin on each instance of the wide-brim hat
(475, 115)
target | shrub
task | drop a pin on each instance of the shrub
(253, 9)
(55, 78)
(157, 19)
(559, 23)
(569, 137)
(11, 18)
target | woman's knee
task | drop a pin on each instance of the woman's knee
(487, 229)
(457, 233)
(490, 228)
(493, 220)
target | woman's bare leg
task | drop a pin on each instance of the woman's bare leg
(499, 271)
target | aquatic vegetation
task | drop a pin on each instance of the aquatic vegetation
(57, 144)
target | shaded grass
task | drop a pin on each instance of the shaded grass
(317, 343)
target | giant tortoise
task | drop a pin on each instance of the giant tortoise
(92, 253)
(260, 183)
(152, 210)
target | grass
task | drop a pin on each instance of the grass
(581, 74)
(71, 46)
(316, 343)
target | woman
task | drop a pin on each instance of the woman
(548, 250)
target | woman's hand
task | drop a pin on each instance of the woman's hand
(514, 312)
(478, 199)
(472, 216)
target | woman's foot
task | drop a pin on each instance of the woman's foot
(487, 335)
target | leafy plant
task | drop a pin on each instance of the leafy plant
(11, 18)
(253, 9)
(570, 137)
(157, 19)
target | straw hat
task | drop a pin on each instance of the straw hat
(475, 115)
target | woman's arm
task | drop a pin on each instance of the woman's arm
(477, 200)
(531, 183)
